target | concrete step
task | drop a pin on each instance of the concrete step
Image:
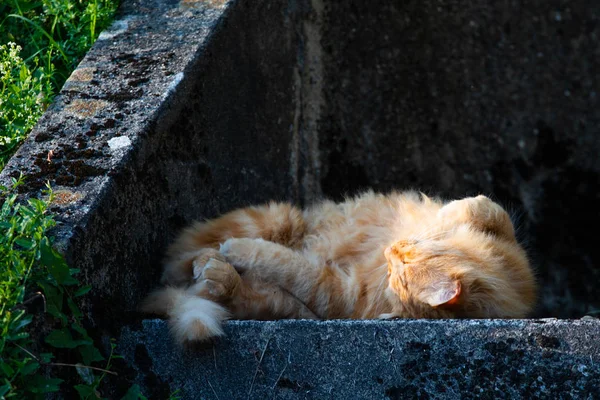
(435, 359)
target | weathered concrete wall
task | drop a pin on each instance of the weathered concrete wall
(184, 110)
(464, 97)
(376, 360)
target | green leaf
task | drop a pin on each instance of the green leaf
(54, 262)
(39, 205)
(4, 389)
(29, 368)
(90, 354)
(134, 393)
(61, 338)
(74, 309)
(82, 290)
(26, 6)
(46, 357)
(41, 384)
(86, 392)
(80, 329)
(7, 369)
(71, 281)
(54, 299)
(21, 321)
(25, 243)
(56, 313)
(17, 336)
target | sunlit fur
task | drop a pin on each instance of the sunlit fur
(374, 256)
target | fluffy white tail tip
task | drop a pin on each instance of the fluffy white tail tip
(196, 319)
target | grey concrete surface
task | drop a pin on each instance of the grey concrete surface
(408, 359)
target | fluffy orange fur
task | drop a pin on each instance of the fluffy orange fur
(374, 256)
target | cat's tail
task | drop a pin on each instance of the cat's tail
(191, 318)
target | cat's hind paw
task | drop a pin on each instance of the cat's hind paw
(217, 280)
(180, 270)
(202, 259)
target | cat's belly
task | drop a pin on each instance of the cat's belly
(356, 249)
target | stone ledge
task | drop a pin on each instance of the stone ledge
(124, 90)
(374, 359)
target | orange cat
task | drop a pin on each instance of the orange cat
(375, 256)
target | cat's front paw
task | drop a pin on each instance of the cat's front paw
(480, 212)
(240, 252)
(218, 280)
(466, 208)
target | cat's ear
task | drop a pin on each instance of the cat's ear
(441, 293)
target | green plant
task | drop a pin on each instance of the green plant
(41, 42)
(58, 31)
(23, 96)
(22, 238)
(33, 270)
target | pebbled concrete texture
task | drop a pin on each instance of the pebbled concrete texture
(186, 109)
(520, 359)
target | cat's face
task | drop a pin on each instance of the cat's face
(463, 273)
